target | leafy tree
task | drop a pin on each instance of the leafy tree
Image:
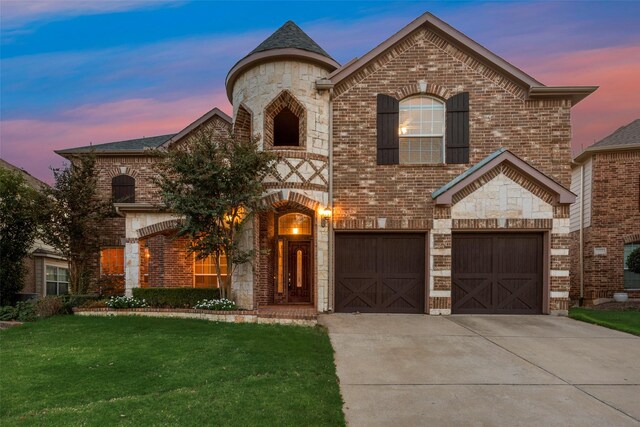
(215, 183)
(633, 261)
(18, 228)
(73, 215)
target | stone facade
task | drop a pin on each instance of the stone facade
(614, 221)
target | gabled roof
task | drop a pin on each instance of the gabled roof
(624, 138)
(31, 180)
(444, 195)
(287, 42)
(290, 36)
(206, 117)
(536, 89)
(129, 146)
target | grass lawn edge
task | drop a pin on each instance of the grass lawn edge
(600, 318)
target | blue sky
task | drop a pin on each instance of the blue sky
(79, 72)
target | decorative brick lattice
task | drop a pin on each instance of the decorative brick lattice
(299, 170)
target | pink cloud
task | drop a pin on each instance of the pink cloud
(614, 104)
(29, 143)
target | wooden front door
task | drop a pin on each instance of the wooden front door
(380, 272)
(299, 271)
(497, 273)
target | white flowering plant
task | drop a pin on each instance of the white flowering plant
(126, 302)
(222, 304)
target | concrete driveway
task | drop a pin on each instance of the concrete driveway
(410, 370)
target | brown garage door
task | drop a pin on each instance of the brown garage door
(380, 273)
(497, 273)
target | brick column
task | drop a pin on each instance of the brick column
(440, 263)
(131, 265)
(559, 282)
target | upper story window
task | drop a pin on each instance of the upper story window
(286, 129)
(421, 130)
(123, 189)
(285, 121)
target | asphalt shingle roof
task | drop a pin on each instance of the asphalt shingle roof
(625, 135)
(129, 144)
(290, 36)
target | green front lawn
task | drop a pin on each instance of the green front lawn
(142, 371)
(625, 321)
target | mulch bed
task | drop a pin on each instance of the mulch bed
(7, 325)
(618, 306)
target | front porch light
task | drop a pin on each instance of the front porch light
(325, 215)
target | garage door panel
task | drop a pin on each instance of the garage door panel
(380, 273)
(497, 273)
(473, 255)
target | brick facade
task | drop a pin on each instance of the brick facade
(539, 132)
(615, 220)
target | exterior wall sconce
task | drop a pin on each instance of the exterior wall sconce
(325, 216)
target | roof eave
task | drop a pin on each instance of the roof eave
(192, 126)
(273, 55)
(588, 152)
(564, 195)
(575, 93)
(105, 153)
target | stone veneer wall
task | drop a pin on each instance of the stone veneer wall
(503, 202)
(615, 219)
(300, 176)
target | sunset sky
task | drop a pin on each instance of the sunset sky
(74, 73)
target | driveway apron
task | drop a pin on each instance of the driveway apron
(407, 370)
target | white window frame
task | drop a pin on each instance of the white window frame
(427, 135)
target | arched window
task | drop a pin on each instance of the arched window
(422, 123)
(294, 224)
(286, 129)
(123, 189)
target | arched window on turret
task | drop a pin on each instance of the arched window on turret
(286, 129)
(285, 123)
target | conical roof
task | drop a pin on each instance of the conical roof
(290, 36)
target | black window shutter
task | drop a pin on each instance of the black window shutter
(457, 137)
(388, 122)
(123, 188)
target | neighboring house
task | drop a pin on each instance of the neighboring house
(47, 269)
(428, 176)
(605, 220)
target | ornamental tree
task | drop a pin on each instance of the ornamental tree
(214, 182)
(73, 214)
(19, 204)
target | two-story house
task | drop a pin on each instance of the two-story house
(427, 176)
(605, 220)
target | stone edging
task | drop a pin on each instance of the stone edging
(236, 316)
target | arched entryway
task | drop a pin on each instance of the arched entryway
(293, 257)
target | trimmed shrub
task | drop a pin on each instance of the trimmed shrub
(175, 297)
(216, 304)
(72, 301)
(51, 306)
